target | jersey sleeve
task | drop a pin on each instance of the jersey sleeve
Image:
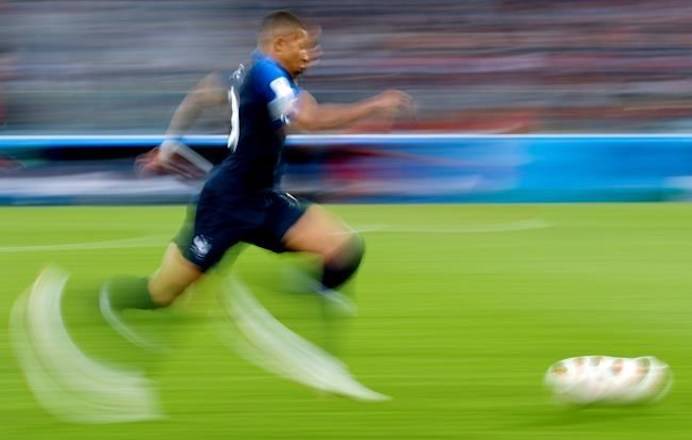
(280, 94)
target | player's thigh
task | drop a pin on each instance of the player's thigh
(318, 231)
(213, 228)
(201, 243)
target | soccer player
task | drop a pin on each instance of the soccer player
(240, 201)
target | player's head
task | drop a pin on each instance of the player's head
(286, 38)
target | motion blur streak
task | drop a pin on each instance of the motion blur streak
(64, 380)
(266, 342)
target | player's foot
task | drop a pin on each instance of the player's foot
(336, 301)
(300, 281)
(112, 313)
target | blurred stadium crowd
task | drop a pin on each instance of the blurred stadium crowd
(121, 66)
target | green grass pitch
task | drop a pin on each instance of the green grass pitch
(462, 309)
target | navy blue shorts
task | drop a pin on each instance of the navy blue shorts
(215, 224)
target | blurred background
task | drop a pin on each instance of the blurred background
(86, 86)
(119, 66)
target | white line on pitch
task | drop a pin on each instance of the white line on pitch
(160, 240)
(136, 242)
(521, 225)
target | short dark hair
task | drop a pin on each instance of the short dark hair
(280, 19)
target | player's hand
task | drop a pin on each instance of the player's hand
(314, 50)
(172, 157)
(393, 102)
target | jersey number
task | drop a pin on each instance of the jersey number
(236, 79)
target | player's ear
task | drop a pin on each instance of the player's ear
(281, 42)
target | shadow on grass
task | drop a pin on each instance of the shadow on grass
(583, 416)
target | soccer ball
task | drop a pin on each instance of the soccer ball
(588, 380)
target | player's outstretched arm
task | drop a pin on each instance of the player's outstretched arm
(174, 157)
(209, 92)
(312, 116)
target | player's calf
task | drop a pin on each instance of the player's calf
(173, 277)
(159, 291)
(127, 293)
(343, 263)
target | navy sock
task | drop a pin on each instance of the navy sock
(340, 269)
(130, 293)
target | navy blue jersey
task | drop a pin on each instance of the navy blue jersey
(265, 101)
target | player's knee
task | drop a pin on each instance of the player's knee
(344, 263)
